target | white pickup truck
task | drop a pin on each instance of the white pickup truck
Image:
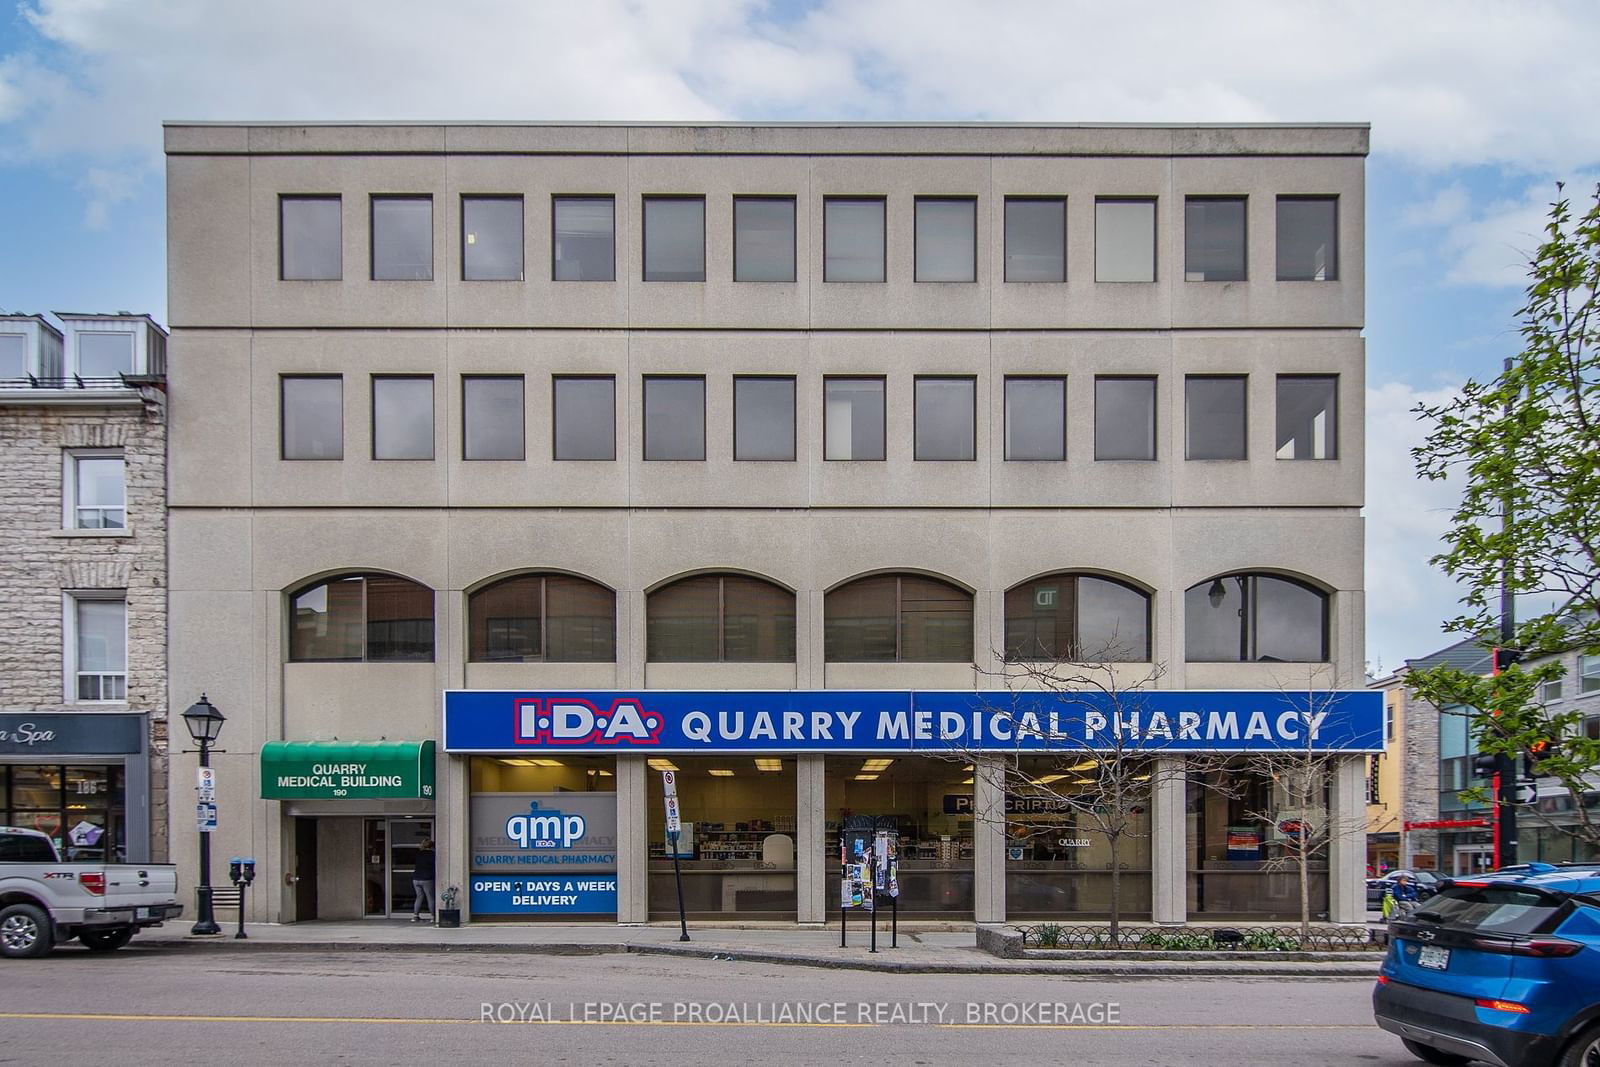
(43, 901)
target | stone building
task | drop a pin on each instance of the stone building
(568, 428)
(83, 696)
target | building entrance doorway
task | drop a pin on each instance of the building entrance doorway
(389, 858)
(1474, 859)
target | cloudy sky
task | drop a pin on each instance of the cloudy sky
(1477, 110)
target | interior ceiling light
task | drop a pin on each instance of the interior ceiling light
(866, 777)
(876, 764)
(720, 773)
(661, 765)
(1085, 765)
(519, 763)
(548, 763)
(769, 764)
(1048, 778)
(966, 781)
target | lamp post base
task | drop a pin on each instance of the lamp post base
(206, 922)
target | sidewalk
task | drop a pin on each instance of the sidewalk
(923, 948)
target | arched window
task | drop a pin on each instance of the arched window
(1080, 617)
(549, 618)
(903, 618)
(720, 618)
(375, 618)
(1249, 618)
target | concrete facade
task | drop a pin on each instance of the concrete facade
(249, 528)
(54, 558)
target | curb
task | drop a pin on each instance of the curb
(1087, 969)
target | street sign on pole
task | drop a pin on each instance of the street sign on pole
(206, 785)
(669, 790)
(205, 816)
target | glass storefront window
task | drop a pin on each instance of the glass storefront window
(80, 806)
(1241, 861)
(737, 845)
(929, 800)
(1060, 825)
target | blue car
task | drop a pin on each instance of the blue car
(1502, 968)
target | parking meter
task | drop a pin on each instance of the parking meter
(235, 870)
(248, 870)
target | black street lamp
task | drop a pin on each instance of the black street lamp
(205, 724)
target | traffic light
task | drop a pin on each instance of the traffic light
(1485, 765)
(1537, 753)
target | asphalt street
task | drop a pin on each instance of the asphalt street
(143, 1006)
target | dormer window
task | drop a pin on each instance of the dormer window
(13, 355)
(104, 355)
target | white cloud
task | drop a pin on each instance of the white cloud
(1405, 517)
(1492, 245)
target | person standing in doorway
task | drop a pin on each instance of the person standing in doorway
(422, 880)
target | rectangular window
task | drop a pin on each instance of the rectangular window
(313, 416)
(13, 355)
(310, 239)
(946, 414)
(853, 418)
(99, 652)
(1036, 239)
(946, 239)
(1036, 418)
(674, 238)
(763, 418)
(492, 418)
(104, 355)
(491, 238)
(586, 417)
(402, 238)
(1308, 238)
(1214, 239)
(763, 238)
(1589, 674)
(1214, 416)
(1308, 421)
(585, 245)
(1124, 418)
(674, 417)
(1550, 691)
(96, 491)
(402, 417)
(1125, 240)
(853, 239)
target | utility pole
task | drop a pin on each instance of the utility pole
(1507, 790)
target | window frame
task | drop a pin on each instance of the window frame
(543, 578)
(555, 417)
(555, 198)
(1155, 417)
(293, 594)
(1076, 576)
(1244, 418)
(884, 440)
(883, 251)
(916, 381)
(70, 508)
(283, 409)
(522, 235)
(899, 614)
(1005, 414)
(1241, 199)
(644, 415)
(284, 198)
(71, 651)
(1333, 431)
(372, 234)
(644, 236)
(1155, 238)
(794, 237)
(522, 383)
(722, 616)
(1338, 255)
(433, 418)
(794, 416)
(970, 199)
(1588, 671)
(75, 352)
(1005, 251)
(1250, 615)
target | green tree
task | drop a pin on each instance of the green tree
(1527, 444)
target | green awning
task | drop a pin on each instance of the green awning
(347, 770)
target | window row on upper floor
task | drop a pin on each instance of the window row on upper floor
(854, 238)
(854, 417)
(738, 618)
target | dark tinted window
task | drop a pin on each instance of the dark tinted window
(1308, 238)
(1077, 617)
(712, 618)
(585, 239)
(674, 418)
(313, 417)
(763, 418)
(1308, 417)
(1214, 417)
(853, 418)
(1036, 418)
(586, 418)
(906, 618)
(674, 239)
(1036, 240)
(375, 618)
(402, 418)
(1255, 617)
(763, 239)
(1492, 909)
(402, 238)
(532, 617)
(946, 239)
(25, 848)
(491, 418)
(310, 239)
(1124, 418)
(1213, 239)
(491, 238)
(944, 418)
(852, 240)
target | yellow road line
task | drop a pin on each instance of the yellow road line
(64, 1016)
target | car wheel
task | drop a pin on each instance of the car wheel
(106, 940)
(1429, 1054)
(1585, 1051)
(24, 932)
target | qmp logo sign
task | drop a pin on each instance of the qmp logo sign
(578, 722)
(545, 828)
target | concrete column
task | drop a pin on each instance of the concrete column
(989, 839)
(1347, 845)
(1169, 842)
(633, 841)
(452, 827)
(811, 867)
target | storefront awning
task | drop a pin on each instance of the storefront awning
(347, 770)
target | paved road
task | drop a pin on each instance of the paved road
(167, 1006)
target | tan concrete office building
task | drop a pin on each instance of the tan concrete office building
(789, 408)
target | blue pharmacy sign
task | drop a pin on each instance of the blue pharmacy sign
(685, 722)
(544, 896)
